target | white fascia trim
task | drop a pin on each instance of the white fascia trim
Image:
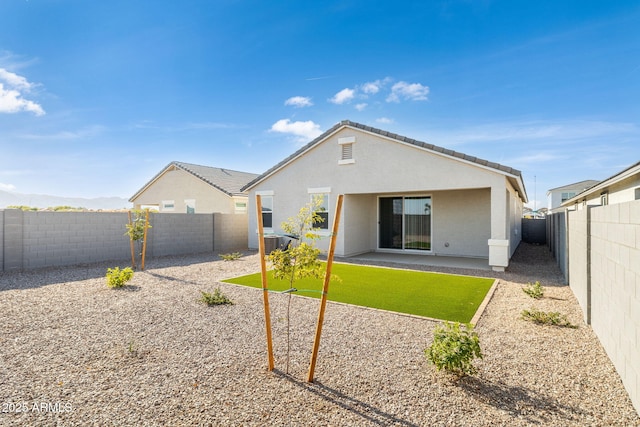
(319, 190)
(346, 140)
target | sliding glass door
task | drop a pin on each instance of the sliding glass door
(405, 223)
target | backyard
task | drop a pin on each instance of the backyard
(75, 352)
(439, 296)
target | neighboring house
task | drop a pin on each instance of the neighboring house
(621, 187)
(401, 195)
(187, 188)
(559, 195)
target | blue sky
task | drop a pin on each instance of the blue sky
(96, 97)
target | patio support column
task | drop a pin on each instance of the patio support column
(499, 242)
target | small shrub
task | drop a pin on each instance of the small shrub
(534, 290)
(117, 278)
(231, 257)
(454, 349)
(546, 318)
(215, 298)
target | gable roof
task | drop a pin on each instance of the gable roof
(228, 181)
(516, 174)
(602, 185)
(580, 186)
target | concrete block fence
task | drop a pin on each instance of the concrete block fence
(31, 240)
(602, 250)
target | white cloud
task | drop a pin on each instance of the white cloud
(12, 87)
(345, 95)
(540, 131)
(384, 120)
(408, 91)
(14, 80)
(299, 101)
(7, 187)
(65, 135)
(303, 131)
(362, 106)
(371, 88)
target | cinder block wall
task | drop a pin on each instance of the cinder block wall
(67, 238)
(1, 240)
(46, 239)
(235, 228)
(613, 248)
(579, 260)
(615, 288)
(179, 234)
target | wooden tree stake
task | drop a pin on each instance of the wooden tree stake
(144, 238)
(325, 289)
(265, 289)
(133, 251)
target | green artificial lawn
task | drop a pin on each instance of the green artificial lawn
(436, 295)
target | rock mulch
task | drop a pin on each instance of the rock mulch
(76, 353)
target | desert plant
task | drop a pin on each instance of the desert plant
(546, 318)
(136, 230)
(534, 290)
(454, 348)
(22, 207)
(117, 278)
(299, 260)
(215, 298)
(231, 256)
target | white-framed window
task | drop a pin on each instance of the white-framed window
(321, 195)
(567, 196)
(346, 150)
(637, 195)
(241, 207)
(168, 205)
(191, 205)
(266, 209)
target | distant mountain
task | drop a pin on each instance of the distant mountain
(45, 201)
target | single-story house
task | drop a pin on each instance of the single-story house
(621, 187)
(400, 196)
(559, 195)
(187, 188)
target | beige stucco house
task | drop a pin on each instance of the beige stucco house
(187, 188)
(401, 196)
(621, 187)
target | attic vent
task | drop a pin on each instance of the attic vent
(346, 145)
(347, 152)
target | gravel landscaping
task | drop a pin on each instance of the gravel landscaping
(75, 353)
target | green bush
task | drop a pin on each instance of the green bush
(215, 298)
(454, 348)
(546, 318)
(117, 278)
(231, 257)
(534, 290)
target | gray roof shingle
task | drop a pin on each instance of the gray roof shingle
(228, 181)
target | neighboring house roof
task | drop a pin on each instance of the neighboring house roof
(602, 185)
(228, 181)
(440, 150)
(578, 186)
